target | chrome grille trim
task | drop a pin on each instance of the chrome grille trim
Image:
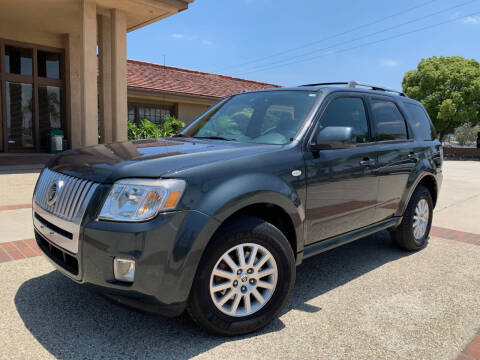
(71, 196)
(68, 210)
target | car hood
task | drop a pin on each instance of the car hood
(148, 158)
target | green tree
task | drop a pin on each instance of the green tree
(449, 88)
(466, 134)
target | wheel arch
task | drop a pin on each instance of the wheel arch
(430, 183)
(427, 180)
(269, 212)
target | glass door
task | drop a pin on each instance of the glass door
(19, 106)
(18, 88)
(32, 95)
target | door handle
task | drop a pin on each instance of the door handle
(367, 162)
(413, 156)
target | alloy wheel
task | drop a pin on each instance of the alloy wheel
(420, 219)
(243, 280)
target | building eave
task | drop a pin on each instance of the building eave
(175, 6)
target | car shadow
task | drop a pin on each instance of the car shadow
(72, 322)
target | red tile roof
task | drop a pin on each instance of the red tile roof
(155, 77)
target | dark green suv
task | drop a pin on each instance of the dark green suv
(215, 219)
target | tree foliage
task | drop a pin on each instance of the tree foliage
(449, 88)
(466, 134)
(147, 129)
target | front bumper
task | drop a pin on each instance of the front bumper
(166, 251)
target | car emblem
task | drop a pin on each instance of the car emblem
(244, 278)
(53, 192)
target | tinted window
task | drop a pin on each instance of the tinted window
(347, 112)
(389, 122)
(19, 115)
(18, 60)
(48, 65)
(422, 127)
(50, 114)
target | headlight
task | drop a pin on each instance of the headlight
(141, 199)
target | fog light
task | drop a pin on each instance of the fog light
(124, 269)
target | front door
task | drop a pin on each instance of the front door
(31, 96)
(341, 183)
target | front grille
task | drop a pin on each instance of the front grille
(54, 227)
(60, 257)
(71, 194)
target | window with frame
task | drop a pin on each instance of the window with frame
(348, 111)
(421, 125)
(388, 120)
(153, 113)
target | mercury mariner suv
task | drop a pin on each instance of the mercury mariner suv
(215, 219)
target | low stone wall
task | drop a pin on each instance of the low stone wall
(461, 153)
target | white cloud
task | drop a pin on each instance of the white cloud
(471, 20)
(388, 62)
(207, 42)
(178, 36)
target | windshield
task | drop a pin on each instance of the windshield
(267, 117)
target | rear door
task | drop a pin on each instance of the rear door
(341, 183)
(395, 151)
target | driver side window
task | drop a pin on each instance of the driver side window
(348, 111)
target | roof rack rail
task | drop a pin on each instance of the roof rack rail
(354, 84)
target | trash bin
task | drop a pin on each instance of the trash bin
(56, 140)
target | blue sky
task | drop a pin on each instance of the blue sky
(296, 42)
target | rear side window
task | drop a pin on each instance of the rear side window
(421, 125)
(347, 112)
(389, 122)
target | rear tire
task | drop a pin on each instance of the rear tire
(242, 278)
(412, 233)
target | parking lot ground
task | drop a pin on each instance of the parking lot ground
(364, 300)
(458, 205)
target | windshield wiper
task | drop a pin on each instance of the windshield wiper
(213, 138)
(180, 135)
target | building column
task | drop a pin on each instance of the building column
(105, 78)
(119, 74)
(89, 74)
(73, 101)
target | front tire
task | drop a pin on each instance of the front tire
(244, 278)
(412, 233)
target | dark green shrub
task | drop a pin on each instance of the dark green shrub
(148, 130)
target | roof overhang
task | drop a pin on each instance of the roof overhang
(143, 12)
(61, 16)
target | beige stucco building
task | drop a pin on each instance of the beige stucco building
(48, 68)
(63, 66)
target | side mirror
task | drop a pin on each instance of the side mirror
(334, 137)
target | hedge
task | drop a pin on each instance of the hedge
(461, 153)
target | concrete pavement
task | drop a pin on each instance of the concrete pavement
(16, 191)
(17, 187)
(458, 205)
(366, 300)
